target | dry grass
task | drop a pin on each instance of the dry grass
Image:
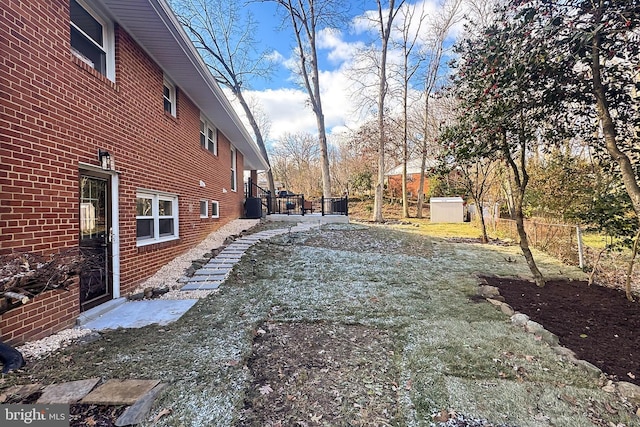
(409, 293)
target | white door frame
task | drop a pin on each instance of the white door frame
(115, 224)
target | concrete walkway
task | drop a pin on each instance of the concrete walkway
(121, 313)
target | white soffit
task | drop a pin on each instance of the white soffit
(155, 28)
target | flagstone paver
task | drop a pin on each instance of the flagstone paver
(138, 412)
(20, 391)
(67, 393)
(120, 392)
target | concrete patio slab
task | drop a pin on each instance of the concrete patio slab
(67, 393)
(120, 392)
(136, 314)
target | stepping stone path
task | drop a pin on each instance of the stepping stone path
(139, 394)
(215, 272)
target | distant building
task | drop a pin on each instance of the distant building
(394, 178)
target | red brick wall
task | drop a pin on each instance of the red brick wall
(394, 186)
(44, 315)
(56, 111)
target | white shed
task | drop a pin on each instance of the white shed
(447, 209)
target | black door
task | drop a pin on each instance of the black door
(96, 284)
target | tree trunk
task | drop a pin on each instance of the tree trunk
(385, 33)
(405, 198)
(483, 224)
(609, 130)
(630, 268)
(259, 141)
(526, 251)
(521, 185)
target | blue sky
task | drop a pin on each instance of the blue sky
(284, 102)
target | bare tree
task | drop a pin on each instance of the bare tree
(224, 35)
(385, 17)
(296, 163)
(409, 28)
(433, 51)
(307, 17)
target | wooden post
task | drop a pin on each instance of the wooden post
(580, 247)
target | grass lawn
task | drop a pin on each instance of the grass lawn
(386, 323)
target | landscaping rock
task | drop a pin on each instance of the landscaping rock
(198, 263)
(549, 337)
(519, 319)
(507, 309)
(629, 391)
(587, 367)
(534, 327)
(494, 302)
(136, 297)
(487, 291)
(563, 351)
(160, 291)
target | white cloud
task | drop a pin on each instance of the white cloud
(339, 50)
(288, 108)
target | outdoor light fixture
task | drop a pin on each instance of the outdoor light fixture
(106, 162)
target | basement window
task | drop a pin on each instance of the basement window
(215, 209)
(156, 217)
(204, 209)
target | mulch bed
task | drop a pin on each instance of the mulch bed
(597, 323)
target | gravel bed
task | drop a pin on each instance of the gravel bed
(169, 275)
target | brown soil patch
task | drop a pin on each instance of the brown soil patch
(599, 324)
(321, 374)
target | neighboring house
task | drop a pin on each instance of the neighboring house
(114, 137)
(394, 178)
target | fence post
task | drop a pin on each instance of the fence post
(580, 247)
(322, 203)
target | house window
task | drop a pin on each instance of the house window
(156, 217)
(169, 96)
(204, 209)
(234, 174)
(215, 209)
(92, 39)
(208, 136)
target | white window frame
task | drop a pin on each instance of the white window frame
(204, 213)
(208, 136)
(156, 197)
(108, 41)
(234, 169)
(171, 99)
(215, 212)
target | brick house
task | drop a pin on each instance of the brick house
(114, 137)
(394, 178)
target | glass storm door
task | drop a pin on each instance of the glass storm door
(96, 284)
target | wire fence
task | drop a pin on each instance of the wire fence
(563, 241)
